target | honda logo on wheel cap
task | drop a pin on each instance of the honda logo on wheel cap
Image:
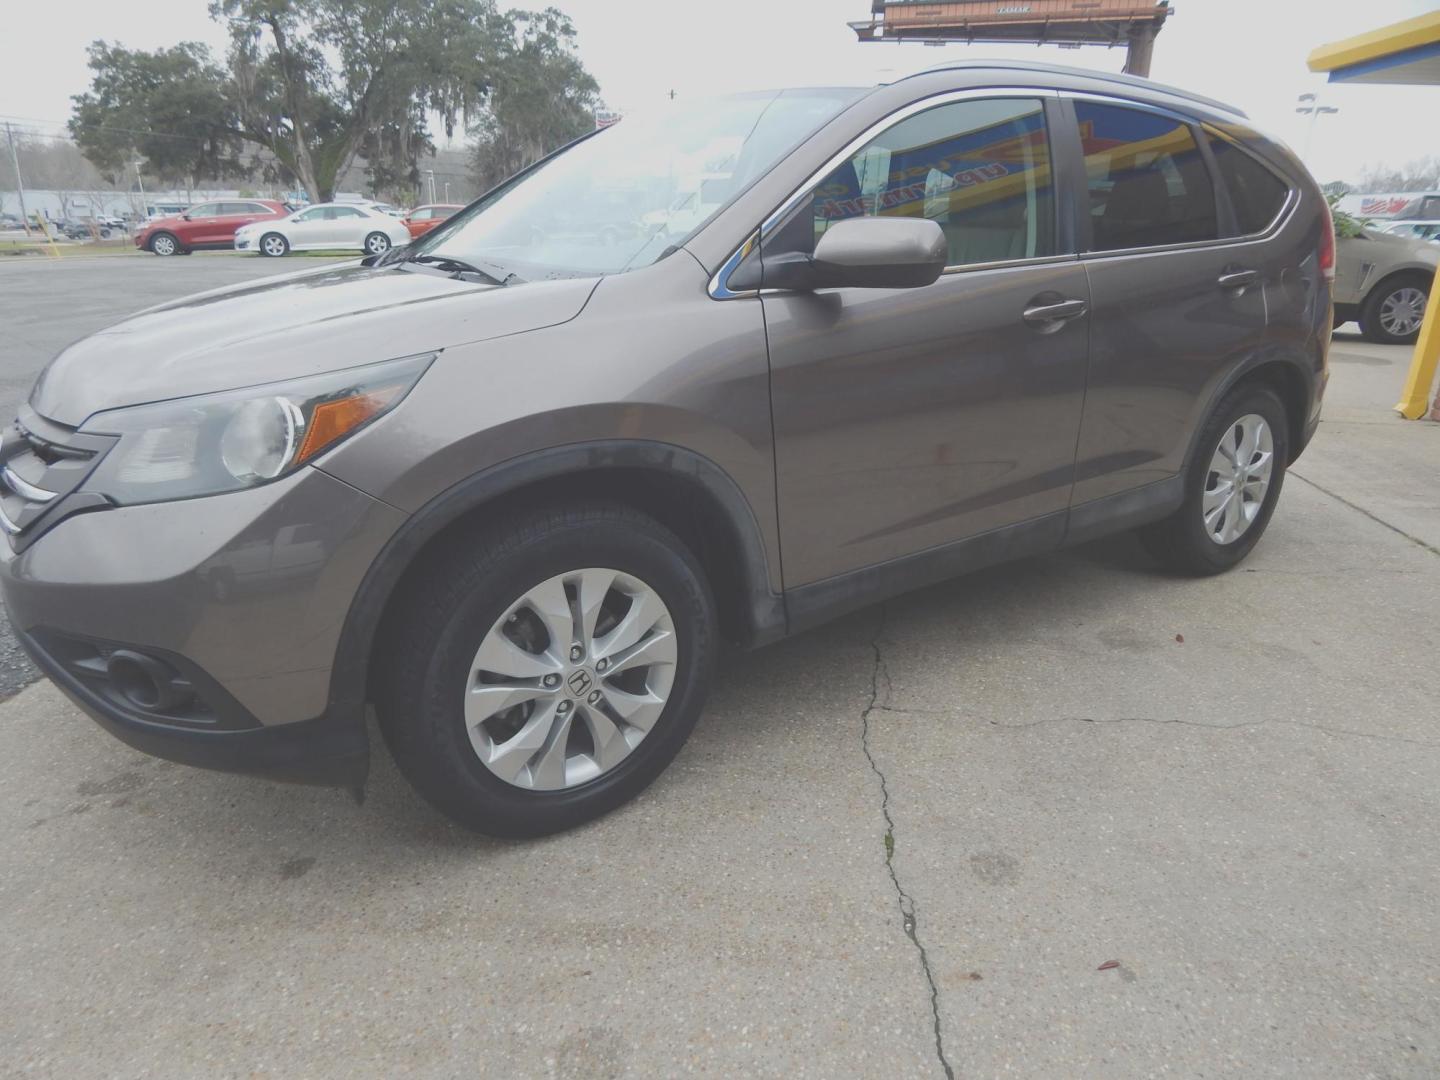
(579, 683)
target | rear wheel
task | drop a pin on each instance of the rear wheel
(164, 243)
(1394, 310)
(274, 245)
(544, 671)
(377, 243)
(1231, 486)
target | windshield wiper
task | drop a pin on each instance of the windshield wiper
(499, 275)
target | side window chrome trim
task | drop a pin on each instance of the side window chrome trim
(717, 287)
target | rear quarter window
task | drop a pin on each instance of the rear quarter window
(1256, 193)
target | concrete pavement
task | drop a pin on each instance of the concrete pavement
(1067, 818)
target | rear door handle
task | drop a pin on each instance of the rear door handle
(1237, 279)
(1047, 314)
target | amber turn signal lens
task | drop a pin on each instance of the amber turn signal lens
(332, 420)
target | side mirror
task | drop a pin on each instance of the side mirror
(865, 253)
(185, 217)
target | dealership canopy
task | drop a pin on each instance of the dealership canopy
(1406, 52)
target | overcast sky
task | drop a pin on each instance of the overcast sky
(1248, 52)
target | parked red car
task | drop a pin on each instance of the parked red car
(424, 218)
(205, 225)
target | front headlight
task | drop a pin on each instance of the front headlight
(238, 439)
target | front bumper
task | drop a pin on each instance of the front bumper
(242, 243)
(332, 750)
(242, 596)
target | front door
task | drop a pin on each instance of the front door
(910, 419)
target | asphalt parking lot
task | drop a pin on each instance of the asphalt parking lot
(1068, 818)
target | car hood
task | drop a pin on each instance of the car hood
(288, 327)
(1399, 247)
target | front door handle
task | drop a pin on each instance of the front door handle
(1048, 315)
(1237, 279)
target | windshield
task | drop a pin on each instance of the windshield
(628, 195)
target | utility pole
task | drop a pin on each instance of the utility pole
(144, 210)
(19, 184)
(447, 191)
(432, 184)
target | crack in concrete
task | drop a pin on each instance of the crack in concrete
(1431, 548)
(905, 901)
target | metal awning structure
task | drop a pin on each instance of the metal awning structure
(1405, 53)
(1408, 54)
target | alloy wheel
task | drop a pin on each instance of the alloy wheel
(1402, 311)
(377, 244)
(1238, 479)
(570, 679)
(273, 245)
(162, 245)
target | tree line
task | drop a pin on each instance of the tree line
(321, 83)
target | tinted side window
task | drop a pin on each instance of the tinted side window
(981, 169)
(423, 214)
(338, 213)
(1148, 183)
(205, 210)
(1256, 193)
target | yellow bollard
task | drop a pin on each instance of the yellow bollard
(1415, 399)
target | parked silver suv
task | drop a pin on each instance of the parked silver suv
(513, 485)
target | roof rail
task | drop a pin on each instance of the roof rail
(1134, 81)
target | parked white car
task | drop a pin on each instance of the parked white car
(324, 227)
(1414, 230)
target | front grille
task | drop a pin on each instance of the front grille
(41, 465)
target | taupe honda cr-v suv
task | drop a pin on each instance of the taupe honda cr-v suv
(512, 486)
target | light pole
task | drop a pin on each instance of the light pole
(140, 180)
(431, 173)
(447, 191)
(1310, 105)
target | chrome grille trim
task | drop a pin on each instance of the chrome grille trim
(22, 487)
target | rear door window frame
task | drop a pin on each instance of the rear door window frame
(1080, 190)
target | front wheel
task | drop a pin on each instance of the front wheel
(164, 244)
(377, 243)
(541, 672)
(274, 245)
(1231, 487)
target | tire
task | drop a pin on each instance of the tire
(1185, 542)
(377, 243)
(164, 243)
(475, 586)
(1406, 296)
(273, 245)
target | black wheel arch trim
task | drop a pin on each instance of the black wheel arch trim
(763, 609)
(1239, 374)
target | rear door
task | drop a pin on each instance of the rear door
(909, 419)
(348, 227)
(1176, 301)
